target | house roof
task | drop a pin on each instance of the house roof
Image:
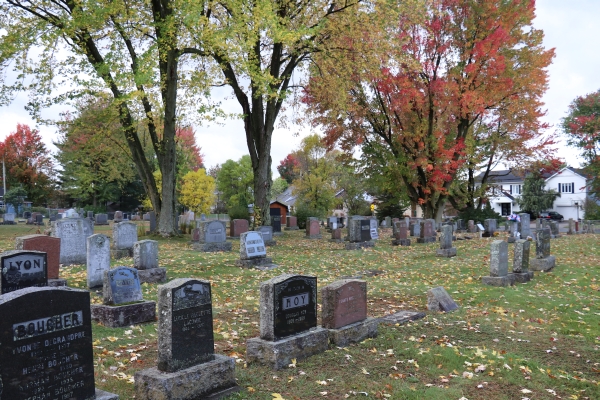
(286, 198)
(505, 175)
(578, 171)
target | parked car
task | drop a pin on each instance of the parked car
(551, 215)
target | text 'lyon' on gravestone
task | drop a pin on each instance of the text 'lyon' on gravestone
(22, 269)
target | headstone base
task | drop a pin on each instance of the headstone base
(277, 233)
(262, 263)
(523, 277)
(291, 228)
(121, 253)
(451, 252)
(508, 280)
(430, 239)
(401, 242)
(359, 245)
(336, 240)
(102, 395)
(57, 282)
(270, 242)
(129, 314)
(212, 247)
(511, 239)
(211, 380)
(542, 264)
(152, 275)
(319, 236)
(279, 354)
(402, 317)
(354, 333)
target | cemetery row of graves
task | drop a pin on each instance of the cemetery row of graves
(418, 310)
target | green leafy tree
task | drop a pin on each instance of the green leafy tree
(15, 196)
(534, 197)
(258, 45)
(197, 191)
(134, 55)
(235, 182)
(279, 186)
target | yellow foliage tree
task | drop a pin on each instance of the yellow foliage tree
(198, 191)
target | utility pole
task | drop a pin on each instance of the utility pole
(3, 184)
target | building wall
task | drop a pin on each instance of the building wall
(573, 191)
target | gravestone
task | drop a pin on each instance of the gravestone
(554, 230)
(123, 303)
(73, 233)
(401, 238)
(39, 219)
(520, 268)
(490, 227)
(415, 229)
(212, 236)
(471, 228)
(373, 231)
(237, 227)
(313, 229)
(394, 220)
(27, 214)
(118, 217)
(330, 221)
(152, 216)
(196, 235)
(145, 260)
(446, 249)
(275, 214)
(253, 252)
(438, 299)
(427, 234)
(543, 260)
(49, 345)
(90, 214)
(291, 223)
(388, 222)
(513, 231)
(344, 312)
(359, 233)
(571, 225)
(124, 236)
(288, 322)
(336, 235)
(101, 219)
(9, 218)
(22, 269)
(98, 259)
(111, 216)
(187, 366)
(50, 246)
(498, 266)
(525, 226)
(267, 234)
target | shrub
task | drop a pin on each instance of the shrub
(239, 212)
(42, 210)
(304, 211)
(480, 215)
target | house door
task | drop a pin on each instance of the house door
(505, 208)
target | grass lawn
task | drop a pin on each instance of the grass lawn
(539, 340)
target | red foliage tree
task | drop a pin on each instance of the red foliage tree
(27, 163)
(456, 63)
(188, 149)
(288, 168)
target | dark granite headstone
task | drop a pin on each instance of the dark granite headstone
(288, 306)
(185, 324)
(122, 285)
(22, 269)
(275, 219)
(101, 219)
(365, 230)
(344, 303)
(401, 230)
(46, 345)
(39, 219)
(439, 300)
(237, 227)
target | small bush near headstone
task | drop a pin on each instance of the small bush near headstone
(42, 210)
(303, 212)
(480, 215)
(239, 212)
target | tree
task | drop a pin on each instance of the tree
(257, 45)
(197, 191)
(94, 156)
(582, 128)
(27, 163)
(189, 157)
(534, 197)
(288, 168)
(235, 182)
(134, 56)
(279, 186)
(15, 196)
(415, 104)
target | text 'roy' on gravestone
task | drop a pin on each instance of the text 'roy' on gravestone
(46, 345)
(22, 269)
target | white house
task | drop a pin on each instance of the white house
(569, 182)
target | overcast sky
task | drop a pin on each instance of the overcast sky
(571, 27)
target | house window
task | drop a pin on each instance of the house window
(515, 189)
(566, 188)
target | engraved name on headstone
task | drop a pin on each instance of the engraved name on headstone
(21, 269)
(252, 245)
(122, 285)
(344, 303)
